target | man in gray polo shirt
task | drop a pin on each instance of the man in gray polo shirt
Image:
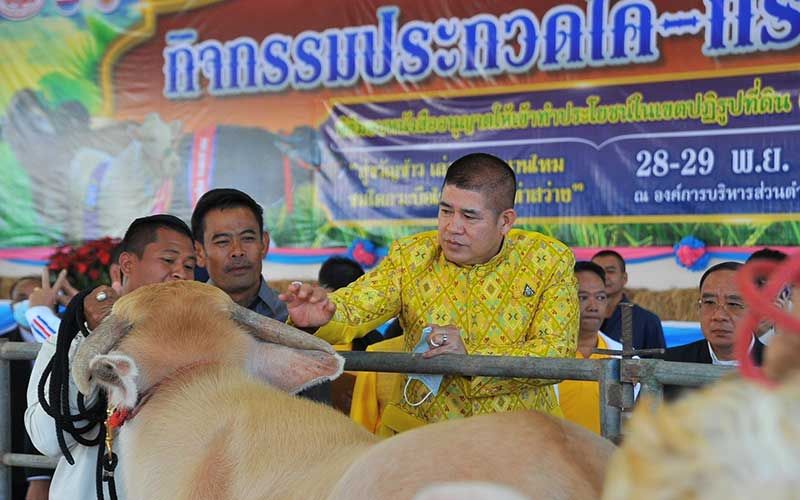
(231, 243)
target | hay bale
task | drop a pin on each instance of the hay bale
(678, 304)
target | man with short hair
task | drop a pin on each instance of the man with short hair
(766, 328)
(157, 248)
(338, 272)
(647, 330)
(580, 399)
(475, 286)
(231, 243)
(721, 310)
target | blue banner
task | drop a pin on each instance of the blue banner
(692, 150)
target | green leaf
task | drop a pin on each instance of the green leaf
(102, 32)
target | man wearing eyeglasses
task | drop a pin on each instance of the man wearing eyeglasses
(721, 309)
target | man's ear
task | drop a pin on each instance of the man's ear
(507, 219)
(200, 251)
(624, 279)
(127, 263)
(265, 240)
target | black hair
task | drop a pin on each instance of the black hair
(338, 272)
(586, 266)
(144, 231)
(767, 254)
(611, 253)
(119, 248)
(219, 199)
(722, 266)
(485, 174)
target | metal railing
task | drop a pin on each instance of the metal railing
(14, 352)
(615, 377)
(604, 371)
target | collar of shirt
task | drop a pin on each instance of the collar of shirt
(727, 362)
(266, 303)
(603, 342)
(488, 266)
(608, 342)
(766, 337)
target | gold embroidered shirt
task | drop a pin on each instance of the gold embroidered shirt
(522, 302)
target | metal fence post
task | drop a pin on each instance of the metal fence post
(627, 353)
(610, 399)
(5, 423)
(643, 371)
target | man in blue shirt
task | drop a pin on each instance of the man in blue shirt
(647, 331)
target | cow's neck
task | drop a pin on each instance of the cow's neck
(121, 415)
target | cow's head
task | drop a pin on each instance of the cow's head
(157, 330)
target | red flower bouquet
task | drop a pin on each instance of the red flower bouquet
(86, 265)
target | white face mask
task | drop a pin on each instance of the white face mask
(20, 308)
(432, 382)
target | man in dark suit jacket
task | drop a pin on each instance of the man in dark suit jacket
(721, 310)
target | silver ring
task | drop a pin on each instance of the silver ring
(101, 296)
(433, 344)
(444, 339)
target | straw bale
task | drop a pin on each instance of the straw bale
(677, 304)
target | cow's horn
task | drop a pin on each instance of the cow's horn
(276, 332)
(102, 339)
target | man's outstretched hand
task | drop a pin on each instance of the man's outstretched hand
(309, 306)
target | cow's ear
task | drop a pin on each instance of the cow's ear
(116, 373)
(291, 369)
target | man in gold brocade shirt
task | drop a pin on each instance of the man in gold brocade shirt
(482, 287)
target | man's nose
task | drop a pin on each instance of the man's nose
(455, 225)
(721, 313)
(236, 249)
(180, 272)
